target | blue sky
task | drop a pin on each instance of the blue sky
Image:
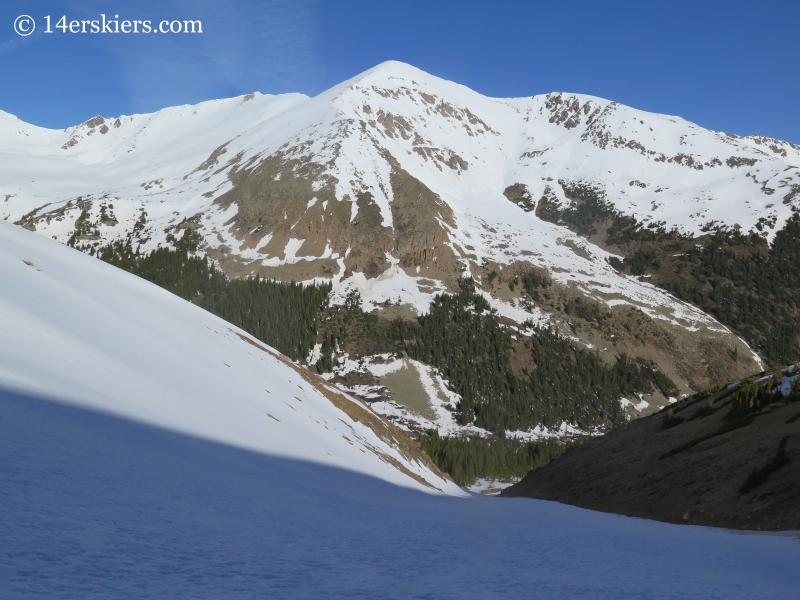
(730, 65)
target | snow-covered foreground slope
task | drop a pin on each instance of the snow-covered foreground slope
(75, 329)
(99, 507)
(149, 450)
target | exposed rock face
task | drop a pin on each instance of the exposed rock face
(421, 220)
(519, 195)
(285, 198)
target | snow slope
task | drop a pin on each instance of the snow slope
(75, 329)
(502, 141)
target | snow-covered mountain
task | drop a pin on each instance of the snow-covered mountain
(397, 182)
(393, 174)
(149, 448)
(77, 330)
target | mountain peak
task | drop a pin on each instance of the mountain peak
(393, 69)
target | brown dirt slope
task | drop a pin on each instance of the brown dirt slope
(689, 464)
(289, 196)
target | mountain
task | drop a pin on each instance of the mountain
(151, 449)
(628, 233)
(81, 332)
(726, 457)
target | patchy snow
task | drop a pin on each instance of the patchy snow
(518, 311)
(563, 431)
(787, 380)
(639, 406)
(393, 285)
(786, 384)
(442, 401)
(490, 487)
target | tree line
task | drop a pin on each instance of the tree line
(469, 459)
(460, 336)
(749, 285)
(739, 278)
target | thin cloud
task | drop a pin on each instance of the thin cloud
(15, 43)
(271, 47)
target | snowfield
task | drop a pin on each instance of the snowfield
(150, 450)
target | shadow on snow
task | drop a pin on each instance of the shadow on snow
(94, 506)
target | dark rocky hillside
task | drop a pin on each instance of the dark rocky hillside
(726, 457)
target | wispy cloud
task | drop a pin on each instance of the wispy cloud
(245, 46)
(16, 42)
